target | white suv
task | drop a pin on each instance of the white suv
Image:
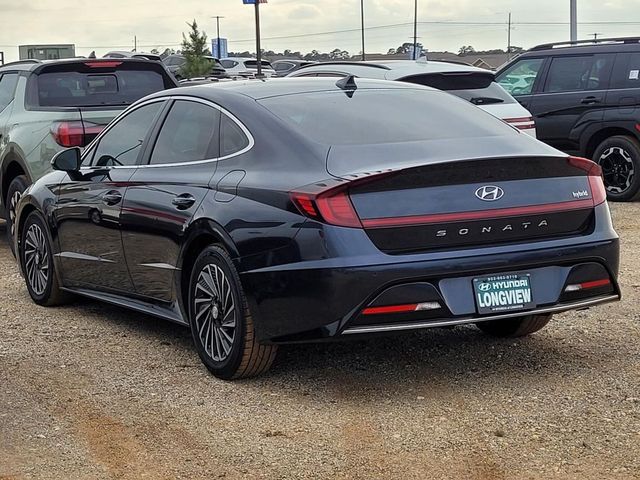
(246, 67)
(476, 85)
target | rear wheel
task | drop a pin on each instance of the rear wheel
(515, 327)
(16, 188)
(619, 158)
(221, 324)
(37, 260)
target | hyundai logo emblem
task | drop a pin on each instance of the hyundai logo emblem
(484, 287)
(489, 193)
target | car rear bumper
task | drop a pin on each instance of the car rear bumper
(292, 303)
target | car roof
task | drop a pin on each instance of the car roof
(32, 65)
(259, 89)
(392, 69)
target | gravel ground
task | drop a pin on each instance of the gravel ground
(93, 391)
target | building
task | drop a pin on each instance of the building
(46, 52)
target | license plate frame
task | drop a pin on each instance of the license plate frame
(503, 293)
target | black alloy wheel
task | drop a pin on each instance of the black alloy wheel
(619, 158)
(16, 188)
(221, 324)
(37, 263)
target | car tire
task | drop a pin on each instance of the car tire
(36, 257)
(515, 327)
(16, 188)
(222, 326)
(619, 158)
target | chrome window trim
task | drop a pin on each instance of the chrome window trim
(195, 162)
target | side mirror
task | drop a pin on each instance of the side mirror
(67, 160)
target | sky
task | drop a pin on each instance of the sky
(112, 25)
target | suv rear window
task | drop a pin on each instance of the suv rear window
(254, 64)
(477, 88)
(95, 87)
(383, 116)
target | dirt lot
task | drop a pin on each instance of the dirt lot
(92, 391)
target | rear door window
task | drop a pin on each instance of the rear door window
(626, 73)
(190, 133)
(228, 63)
(519, 78)
(8, 83)
(95, 88)
(232, 137)
(572, 74)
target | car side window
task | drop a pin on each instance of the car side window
(232, 137)
(122, 144)
(283, 66)
(626, 72)
(572, 74)
(521, 76)
(8, 83)
(190, 133)
(228, 63)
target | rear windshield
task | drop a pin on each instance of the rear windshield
(254, 64)
(479, 89)
(76, 89)
(383, 116)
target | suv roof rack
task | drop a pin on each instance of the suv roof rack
(546, 46)
(21, 62)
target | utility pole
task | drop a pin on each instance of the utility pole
(573, 5)
(509, 39)
(364, 57)
(415, 31)
(219, 52)
(595, 36)
(258, 48)
(135, 43)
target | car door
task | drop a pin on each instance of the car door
(166, 192)
(623, 98)
(89, 204)
(572, 98)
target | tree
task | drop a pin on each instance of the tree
(407, 48)
(392, 51)
(194, 48)
(466, 50)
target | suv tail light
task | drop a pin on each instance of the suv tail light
(75, 134)
(598, 190)
(524, 123)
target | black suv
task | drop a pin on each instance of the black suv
(585, 97)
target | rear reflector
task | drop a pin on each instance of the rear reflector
(588, 285)
(411, 307)
(74, 134)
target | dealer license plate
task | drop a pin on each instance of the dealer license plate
(503, 293)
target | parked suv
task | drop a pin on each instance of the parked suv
(585, 97)
(48, 106)
(174, 64)
(476, 85)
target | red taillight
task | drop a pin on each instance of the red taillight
(331, 206)
(103, 64)
(523, 123)
(74, 134)
(598, 190)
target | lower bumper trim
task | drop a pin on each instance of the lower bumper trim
(463, 321)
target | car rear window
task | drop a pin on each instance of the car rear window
(96, 88)
(383, 116)
(477, 88)
(254, 64)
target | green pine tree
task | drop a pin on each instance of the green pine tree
(194, 48)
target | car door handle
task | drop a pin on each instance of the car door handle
(184, 201)
(112, 198)
(589, 101)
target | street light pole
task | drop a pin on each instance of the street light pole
(415, 31)
(258, 48)
(219, 52)
(573, 6)
(364, 57)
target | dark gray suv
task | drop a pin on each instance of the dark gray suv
(585, 98)
(48, 106)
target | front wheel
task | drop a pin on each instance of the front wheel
(221, 324)
(619, 158)
(515, 327)
(37, 261)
